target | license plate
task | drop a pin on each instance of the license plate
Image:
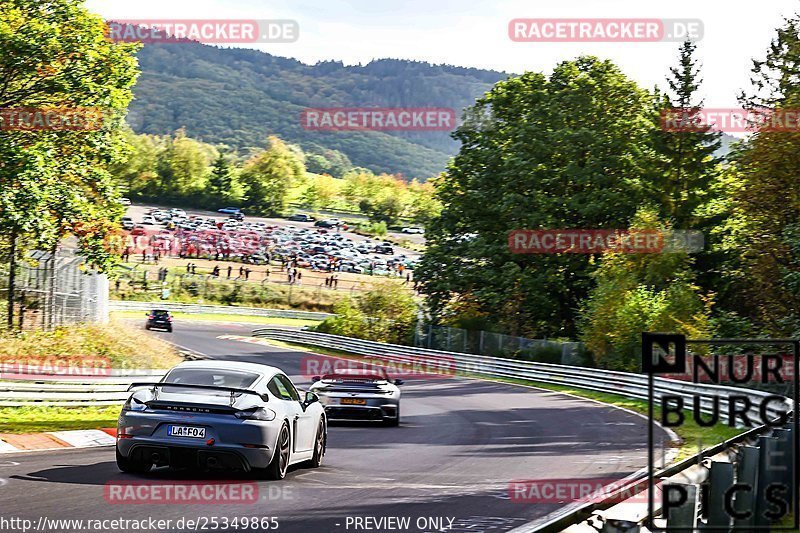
(353, 401)
(186, 431)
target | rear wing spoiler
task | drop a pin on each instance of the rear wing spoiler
(232, 390)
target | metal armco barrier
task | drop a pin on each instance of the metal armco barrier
(120, 305)
(72, 391)
(622, 383)
(710, 470)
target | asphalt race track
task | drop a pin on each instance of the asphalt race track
(459, 445)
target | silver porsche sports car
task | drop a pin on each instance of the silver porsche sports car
(208, 415)
(358, 394)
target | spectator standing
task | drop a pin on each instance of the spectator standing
(230, 269)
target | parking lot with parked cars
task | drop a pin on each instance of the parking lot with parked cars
(324, 245)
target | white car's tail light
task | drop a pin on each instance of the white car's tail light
(261, 413)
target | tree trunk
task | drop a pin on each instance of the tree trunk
(12, 267)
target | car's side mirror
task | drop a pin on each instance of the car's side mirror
(315, 379)
(310, 398)
(398, 381)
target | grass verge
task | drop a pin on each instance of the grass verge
(45, 418)
(115, 345)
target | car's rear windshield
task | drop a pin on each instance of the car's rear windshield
(216, 377)
(159, 312)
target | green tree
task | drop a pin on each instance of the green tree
(766, 205)
(137, 173)
(385, 313)
(321, 192)
(572, 150)
(641, 292)
(268, 176)
(220, 182)
(52, 183)
(686, 165)
(183, 166)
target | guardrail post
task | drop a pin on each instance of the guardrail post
(683, 516)
(786, 458)
(770, 470)
(720, 479)
(746, 474)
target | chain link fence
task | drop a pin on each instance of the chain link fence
(56, 290)
(458, 340)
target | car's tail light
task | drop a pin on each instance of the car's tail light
(260, 413)
(134, 404)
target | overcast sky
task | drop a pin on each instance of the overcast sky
(475, 32)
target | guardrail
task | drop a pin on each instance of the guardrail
(72, 391)
(622, 383)
(722, 460)
(122, 305)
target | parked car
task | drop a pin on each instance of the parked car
(302, 217)
(229, 210)
(160, 319)
(221, 415)
(148, 219)
(417, 231)
(384, 249)
(127, 223)
(125, 201)
(359, 394)
(330, 223)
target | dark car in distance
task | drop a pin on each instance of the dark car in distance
(331, 223)
(302, 217)
(159, 319)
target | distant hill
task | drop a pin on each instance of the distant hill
(239, 97)
(726, 142)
